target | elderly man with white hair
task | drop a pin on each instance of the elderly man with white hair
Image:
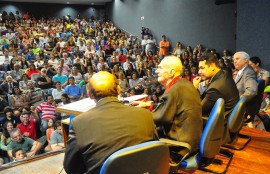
(246, 82)
(246, 79)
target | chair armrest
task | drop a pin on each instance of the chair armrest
(174, 166)
(175, 143)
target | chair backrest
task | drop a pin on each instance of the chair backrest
(211, 138)
(236, 118)
(149, 157)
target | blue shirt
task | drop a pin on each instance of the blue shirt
(60, 78)
(29, 57)
(74, 90)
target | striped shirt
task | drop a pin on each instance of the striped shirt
(48, 110)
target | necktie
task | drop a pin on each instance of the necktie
(237, 77)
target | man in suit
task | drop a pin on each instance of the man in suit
(179, 111)
(220, 85)
(246, 82)
(7, 86)
(108, 127)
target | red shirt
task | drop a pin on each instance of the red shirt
(122, 58)
(30, 128)
(30, 72)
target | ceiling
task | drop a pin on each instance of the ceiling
(89, 2)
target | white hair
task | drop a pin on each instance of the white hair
(244, 55)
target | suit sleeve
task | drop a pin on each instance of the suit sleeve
(250, 85)
(165, 110)
(209, 100)
(73, 161)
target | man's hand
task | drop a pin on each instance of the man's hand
(196, 82)
(30, 154)
(26, 134)
(141, 104)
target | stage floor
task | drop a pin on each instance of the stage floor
(254, 158)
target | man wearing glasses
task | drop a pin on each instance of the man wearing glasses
(29, 146)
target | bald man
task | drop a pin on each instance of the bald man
(179, 111)
(108, 127)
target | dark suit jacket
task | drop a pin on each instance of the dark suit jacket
(4, 87)
(223, 86)
(180, 113)
(108, 127)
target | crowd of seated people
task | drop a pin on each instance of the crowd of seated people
(45, 63)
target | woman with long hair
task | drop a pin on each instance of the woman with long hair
(24, 64)
(49, 131)
(5, 137)
(18, 99)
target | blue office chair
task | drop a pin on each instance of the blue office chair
(149, 157)
(210, 143)
(234, 125)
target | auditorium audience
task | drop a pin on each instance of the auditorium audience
(95, 45)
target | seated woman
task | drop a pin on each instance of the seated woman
(77, 76)
(18, 99)
(5, 139)
(255, 63)
(116, 71)
(32, 70)
(49, 132)
(89, 74)
(123, 83)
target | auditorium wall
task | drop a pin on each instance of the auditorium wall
(60, 10)
(190, 22)
(253, 26)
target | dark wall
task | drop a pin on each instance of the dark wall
(188, 21)
(60, 10)
(253, 29)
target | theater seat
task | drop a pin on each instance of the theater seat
(210, 143)
(234, 125)
(149, 157)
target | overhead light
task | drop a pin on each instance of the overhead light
(67, 2)
(92, 3)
